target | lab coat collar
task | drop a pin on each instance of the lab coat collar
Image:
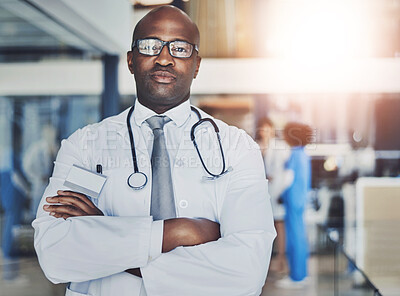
(120, 121)
(120, 118)
(178, 115)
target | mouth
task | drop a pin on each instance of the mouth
(163, 77)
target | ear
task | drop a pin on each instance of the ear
(198, 60)
(129, 57)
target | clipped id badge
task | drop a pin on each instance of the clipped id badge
(85, 181)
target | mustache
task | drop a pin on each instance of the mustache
(168, 69)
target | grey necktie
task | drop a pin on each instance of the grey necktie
(162, 194)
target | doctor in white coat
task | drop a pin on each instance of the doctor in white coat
(220, 241)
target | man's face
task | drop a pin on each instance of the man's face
(163, 81)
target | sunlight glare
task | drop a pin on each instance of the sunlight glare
(319, 31)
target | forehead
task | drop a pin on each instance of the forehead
(167, 27)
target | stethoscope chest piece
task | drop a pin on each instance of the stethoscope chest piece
(137, 180)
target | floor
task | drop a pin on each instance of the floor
(32, 282)
(320, 281)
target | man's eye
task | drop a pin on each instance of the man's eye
(150, 47)
(179, 49)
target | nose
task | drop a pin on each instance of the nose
(164, 58)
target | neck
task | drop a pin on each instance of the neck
(160, 109)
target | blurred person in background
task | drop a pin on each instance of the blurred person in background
(13, 189)
(38, 164)
(297, 136)
(275, 154)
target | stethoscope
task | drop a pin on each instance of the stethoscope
(138, 180)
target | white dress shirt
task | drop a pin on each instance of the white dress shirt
(173, 130)
(92, 252)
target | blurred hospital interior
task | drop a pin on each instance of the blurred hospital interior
(332, 65)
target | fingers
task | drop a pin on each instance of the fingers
(58, 215)
(64, 210)
(69, 200)
(70, 204)
(80, 196)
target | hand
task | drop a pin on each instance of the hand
(185, 232)
(71, 204)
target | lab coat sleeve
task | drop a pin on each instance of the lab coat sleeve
(84, 248)
(237, 263)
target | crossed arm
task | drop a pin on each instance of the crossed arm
(177, 231)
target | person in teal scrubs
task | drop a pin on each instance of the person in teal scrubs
(295, 198)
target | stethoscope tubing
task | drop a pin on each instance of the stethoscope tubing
(136, 172)
(131, 140)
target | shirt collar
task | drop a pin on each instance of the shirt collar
(178, 114)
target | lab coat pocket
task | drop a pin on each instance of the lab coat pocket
(69, 292)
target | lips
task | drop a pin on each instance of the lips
(163, 76)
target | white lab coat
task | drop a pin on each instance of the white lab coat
(93, 252)
(280, 178)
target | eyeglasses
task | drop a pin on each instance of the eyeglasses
(153, 47)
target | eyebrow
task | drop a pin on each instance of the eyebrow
(154, 37)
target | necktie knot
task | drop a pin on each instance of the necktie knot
(157, 122)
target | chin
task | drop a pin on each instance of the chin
(163, 94)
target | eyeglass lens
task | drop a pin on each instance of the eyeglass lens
(179, 49)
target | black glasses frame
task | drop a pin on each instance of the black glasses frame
(163, 43)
